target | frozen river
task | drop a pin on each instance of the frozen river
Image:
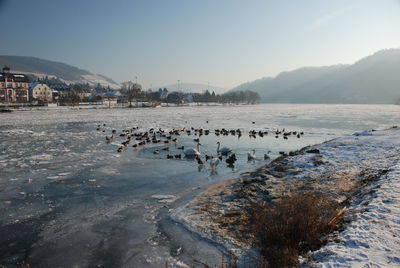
(69, 199)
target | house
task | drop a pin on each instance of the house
(41, 92)
(109, 97)
(84, 94)
(13, 87)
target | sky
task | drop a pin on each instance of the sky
(223, 42)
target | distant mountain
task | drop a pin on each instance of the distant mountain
(194, 88)
(373, 79)
(41, 68)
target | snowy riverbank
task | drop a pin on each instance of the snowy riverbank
(350, 168)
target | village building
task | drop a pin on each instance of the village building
(13, 87)
(41, 92)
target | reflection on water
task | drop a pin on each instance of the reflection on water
(67, 197)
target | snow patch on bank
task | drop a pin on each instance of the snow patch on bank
(372, 239)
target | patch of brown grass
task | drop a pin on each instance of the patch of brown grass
(292, 226)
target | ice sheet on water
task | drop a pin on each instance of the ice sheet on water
(61, 149)
(166, 198)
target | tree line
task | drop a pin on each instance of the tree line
(130, 91)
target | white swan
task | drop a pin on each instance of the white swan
(223, 150)
(251, 156)
(214, 163)
(193, 152)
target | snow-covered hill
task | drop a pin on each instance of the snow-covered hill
(67, 73)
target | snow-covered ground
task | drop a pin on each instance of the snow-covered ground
(372, 239)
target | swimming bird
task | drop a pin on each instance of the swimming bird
(181, 147)
(156, 152)
(193, 152)
(199, 160)
(231, 159)
(214, 163)
(223, 150)
(266, 157)
(109, 139)
(251, 156)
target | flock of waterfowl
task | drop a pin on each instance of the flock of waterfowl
(137, 138)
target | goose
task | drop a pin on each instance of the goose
(193, 152)
(223, 150)
(251, 156)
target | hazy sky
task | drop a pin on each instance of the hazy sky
(225, 42)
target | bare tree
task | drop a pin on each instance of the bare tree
(130, 90)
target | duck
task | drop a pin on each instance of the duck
(193, 152)
(156, 152)
(169, 156)
(266, 157)
(165, 149)
(231, 159)
(181, 147)
(109, 139)
(223, 150)
(199, 160)
(251, 156)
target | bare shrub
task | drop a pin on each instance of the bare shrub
(292, 226)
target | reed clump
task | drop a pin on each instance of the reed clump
(292, 226)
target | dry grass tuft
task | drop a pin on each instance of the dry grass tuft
(292, 226)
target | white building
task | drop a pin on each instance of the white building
(41, 92)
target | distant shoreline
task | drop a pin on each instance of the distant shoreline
(10, 107)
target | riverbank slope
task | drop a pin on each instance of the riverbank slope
(349, 169)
